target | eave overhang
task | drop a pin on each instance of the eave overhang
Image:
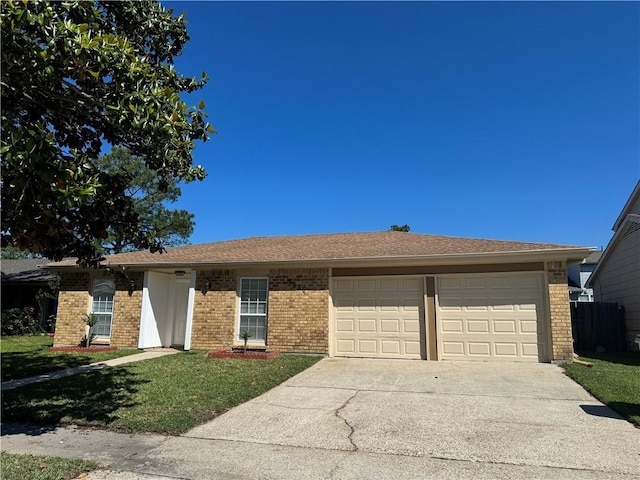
(569, 255)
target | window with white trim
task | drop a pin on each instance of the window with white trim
(102, 307)
(253, 309)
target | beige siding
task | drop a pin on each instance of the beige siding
(618, 279)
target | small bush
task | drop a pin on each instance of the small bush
(20, 321)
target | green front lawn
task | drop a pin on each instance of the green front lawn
(19, 467)
(28, 356)
(614, 379)
(169, 395)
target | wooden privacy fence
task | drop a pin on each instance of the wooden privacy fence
(598, 324)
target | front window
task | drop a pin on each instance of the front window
(253, 309)
(102, 307)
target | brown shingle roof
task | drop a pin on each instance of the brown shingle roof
(340, 246)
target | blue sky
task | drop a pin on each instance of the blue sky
(514, 121)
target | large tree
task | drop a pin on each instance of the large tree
(172, 227)
(78, 77)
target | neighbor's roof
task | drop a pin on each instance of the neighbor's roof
(626, 210)
(24, 270)
(338, 247)
(593, 257)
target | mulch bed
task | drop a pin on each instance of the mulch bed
(93, 349)
(250, 355)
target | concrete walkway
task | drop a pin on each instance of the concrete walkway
(364, 419)
(45, 377)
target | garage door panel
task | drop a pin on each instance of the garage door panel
(453, 348)
(449, 283)
(388, 285)
(412, 285)
(503, 306)
(474, 284)
(366, 286)
(491, 317)
(367, 346)
(504, 326)
(389, 304)
(367, 325)
(478, 326)
(530, 350)
(345, 325)
(385, 321)
(412, 348)
(479, 348)
(390, 347)
(452, 325)
(345, 347)
(411, 326)
(340, 286)
(390, 326)
(343, 304)
(366, 304)
(506, 349)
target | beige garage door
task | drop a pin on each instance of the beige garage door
(377, 317)
(492, 317)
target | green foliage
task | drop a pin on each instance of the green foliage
(20, 321)
(170, 394)
(20, 466)
(90, 319)
(171, 227)
(12, 253)
(28, 356)
(614, 379)
(245, 335)
(400, 228)
(76, 77)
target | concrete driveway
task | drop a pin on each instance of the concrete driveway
(390, 419)
(358, 418)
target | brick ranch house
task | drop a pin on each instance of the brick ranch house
(382, 294)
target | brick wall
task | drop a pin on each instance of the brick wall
(214, 312)
(299, 310)
(74, 301)
(560, 314)
(125, 327)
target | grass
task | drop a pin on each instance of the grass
(28, 356)
(19, 467)
(168, 395)
(614, 379)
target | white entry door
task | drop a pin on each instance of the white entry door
(180, 312)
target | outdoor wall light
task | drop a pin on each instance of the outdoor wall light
(132, 286)
(207, 286)
(180, 273)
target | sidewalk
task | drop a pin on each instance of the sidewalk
(146, 355)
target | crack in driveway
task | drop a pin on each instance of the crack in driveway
(346, 422)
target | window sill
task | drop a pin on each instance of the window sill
(101, 341)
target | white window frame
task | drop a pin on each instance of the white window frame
(103, 306)
(252, 340)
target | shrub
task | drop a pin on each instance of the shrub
(20, 321)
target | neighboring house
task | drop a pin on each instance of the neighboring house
(616, 277)
(578, 274)
(23, 282)
(382, 294)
